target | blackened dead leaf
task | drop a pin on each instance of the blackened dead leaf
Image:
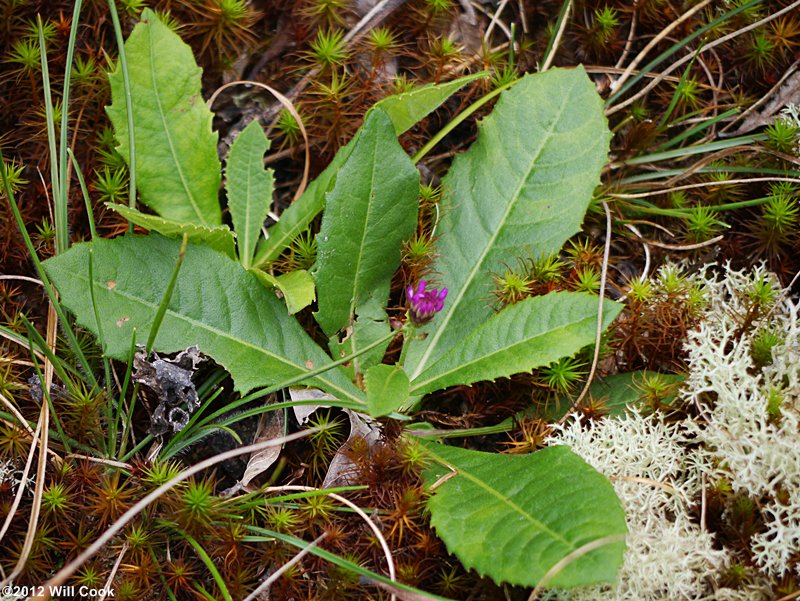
(171, 382)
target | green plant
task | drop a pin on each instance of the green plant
(329, 48)
(204, 286)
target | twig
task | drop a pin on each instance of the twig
(710, 242)
(654, 42)
(631, 34)
(750, 180)
(599, 333)
(495, 20)
(288, 565)
(22, 278)
(705, 48)
(375, 530)
(18, 415)
(20, 492)
(117, 563)
(557, 40)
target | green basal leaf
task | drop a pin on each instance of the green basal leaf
(297, 287)
(219, 238)
(371, 209)
(404, 110)
(177, 168)
(371, 324)
(249, 188)
(528, 334)
(299, 215)
(216, 305)
(387, 389)
(409, 108)
(514, 517)
(525, 183)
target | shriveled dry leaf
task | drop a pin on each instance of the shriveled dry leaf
(270, 425)
(302, 413)
(341, 467)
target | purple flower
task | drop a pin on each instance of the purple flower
(424, 304)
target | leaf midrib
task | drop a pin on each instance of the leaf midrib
(166, 130)
(489, 245)
(366, 228)
(505, 500)
(218, 332)
(416, 387)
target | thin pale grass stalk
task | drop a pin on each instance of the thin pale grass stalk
(645, 247)
(503, 27)
(261, 588)
(681, 44)
(599, 332)
(495, 21)
(23, 479)
(21, 278)
(60, 225)
(695, 246)
(205, 429)
(111, 462)
(289, 106)
(36, 502)
(375, 530)
(373, 18)
(17, 339)
(703, 501)
(629, 70)
(115, 568)
(631, 35)
(126, 83)
(617, 70)
(68, 570)
(554, 43)
(458, 69)
(62, 199)
(569, 558)
(741, 116)
(677, 64)
(18, 415)
(728, 182)
(48, 399)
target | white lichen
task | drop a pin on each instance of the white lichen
(791, 114)
(744, 432)
(750, 415)
(668, 555)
